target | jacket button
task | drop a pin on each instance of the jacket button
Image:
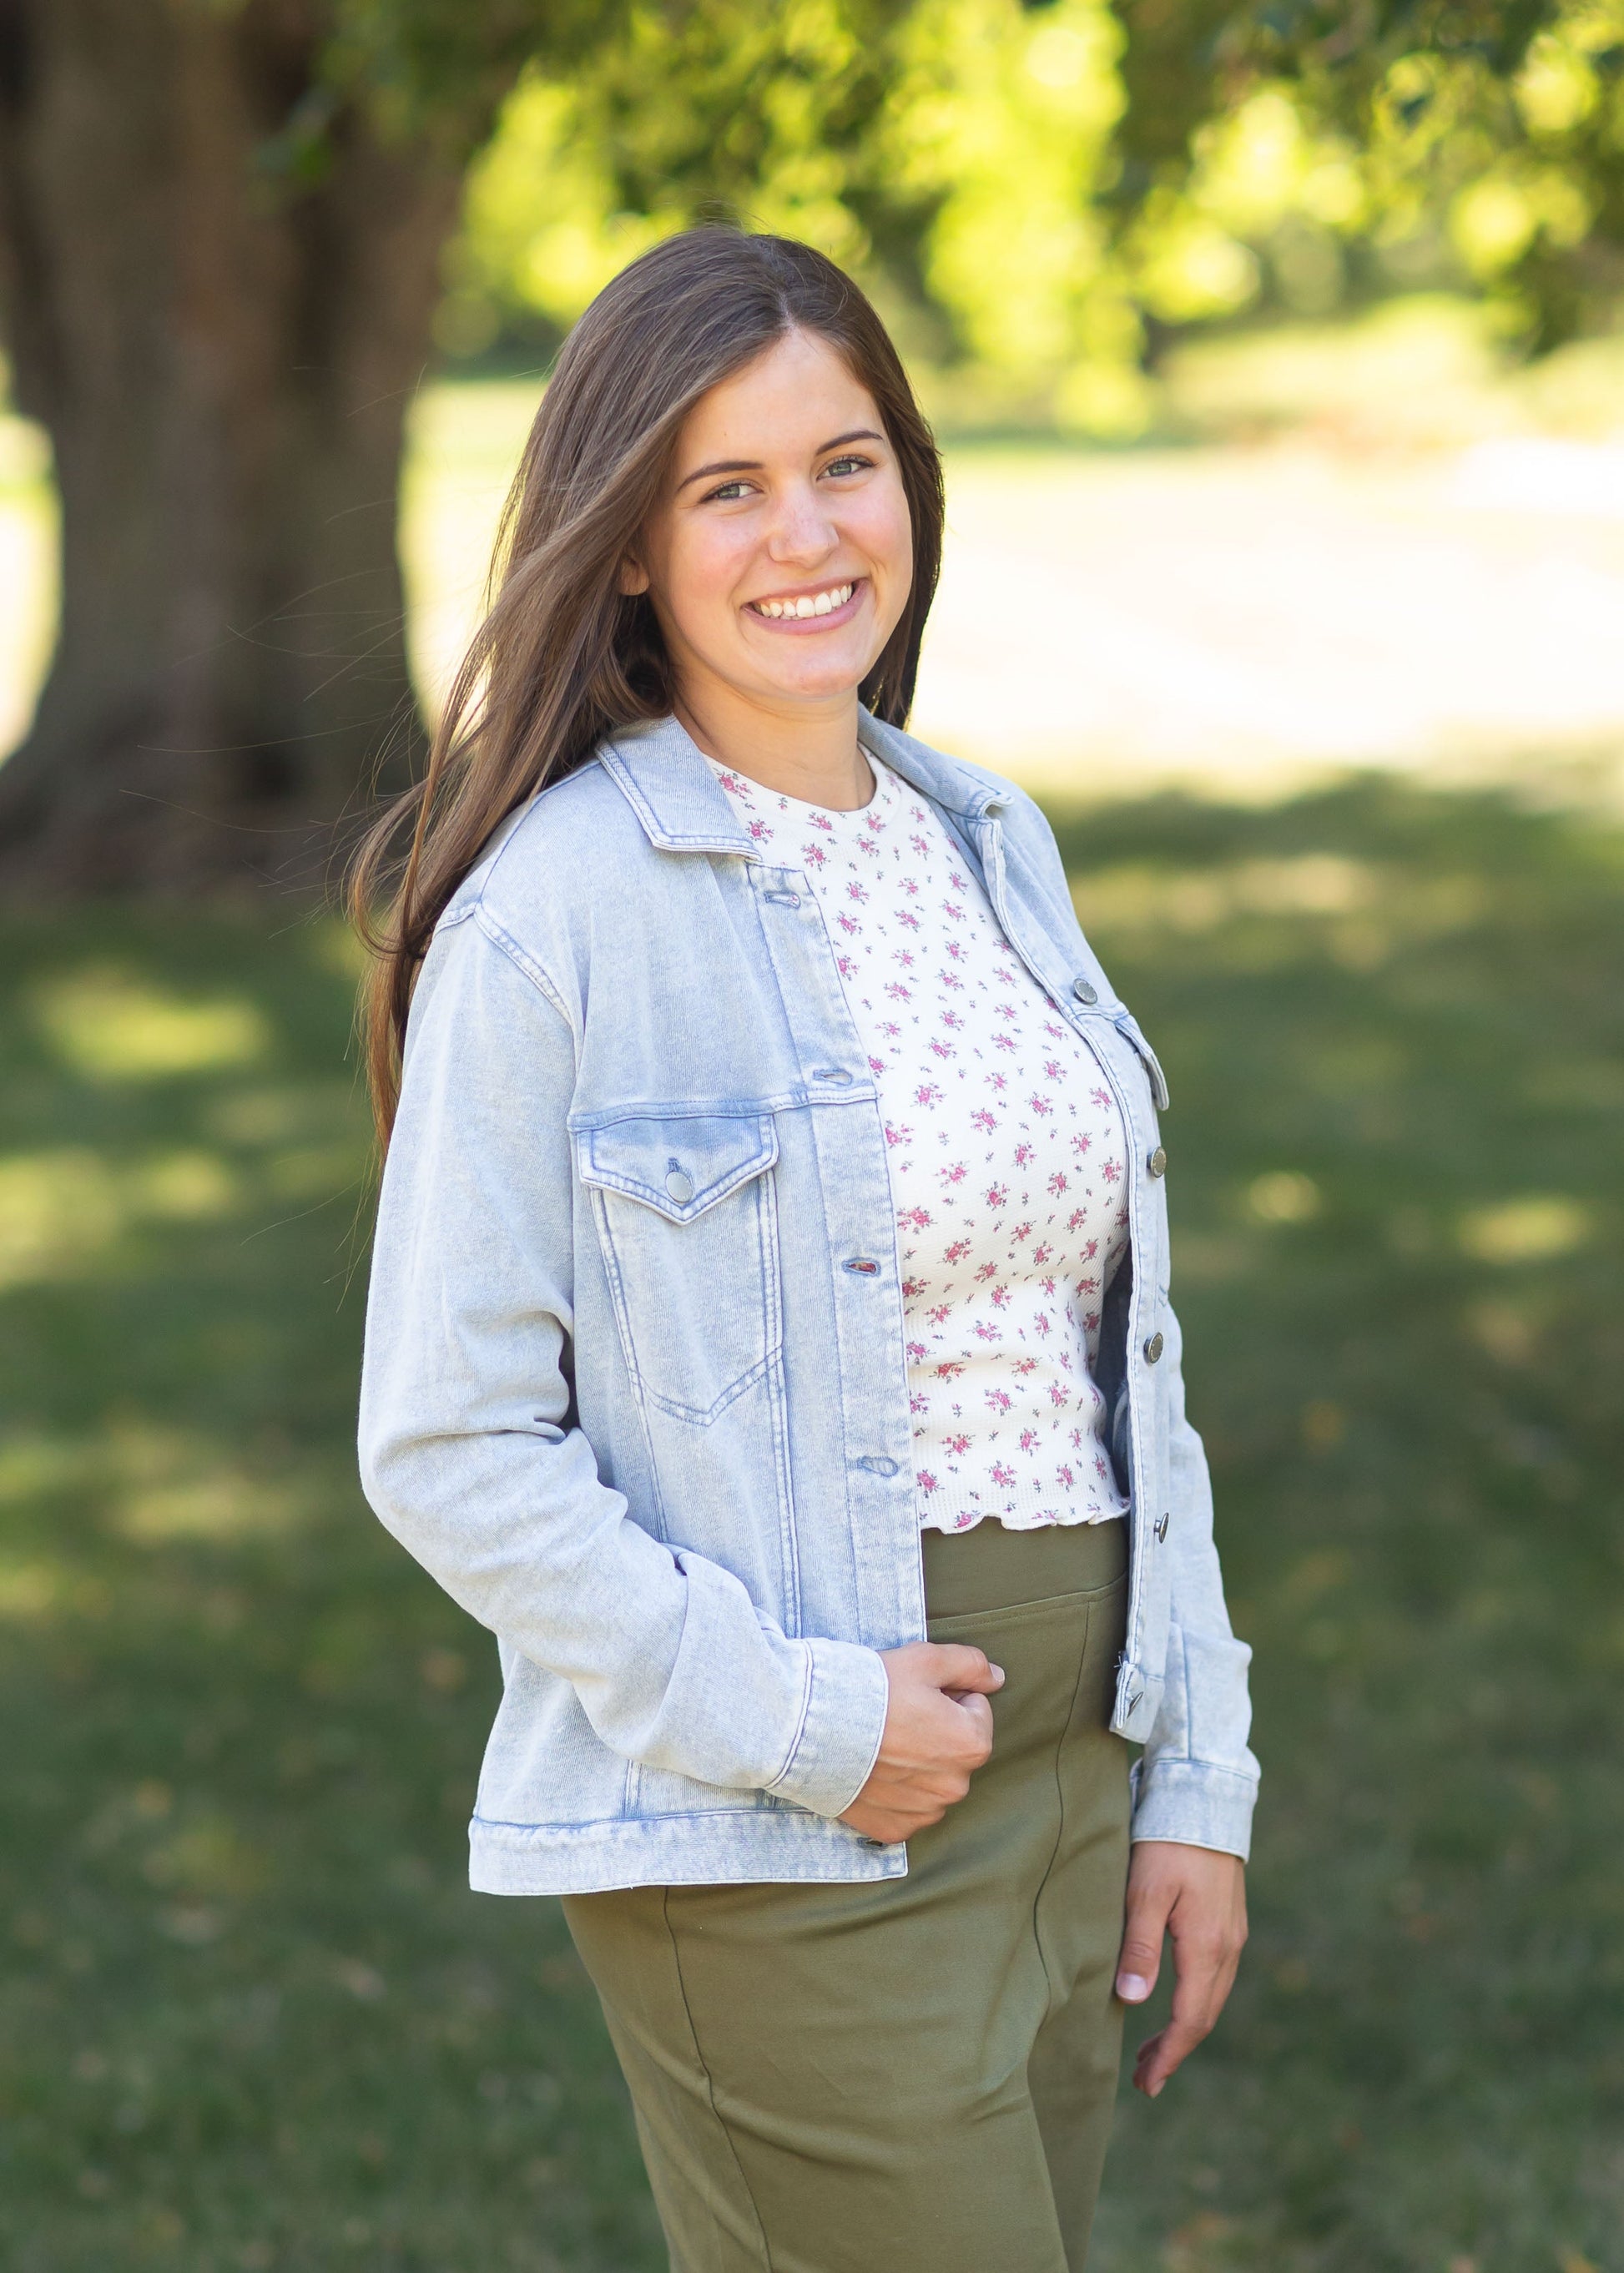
(861, 1265)
(680, 1184)
(783, 899)
(1134, 1701)
(1153, 1348)
(1084, 991)
(1159, 1529)
(1157, 1162)
(877, 1465)
(836, 1074)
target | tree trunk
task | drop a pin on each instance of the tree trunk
(223, 356)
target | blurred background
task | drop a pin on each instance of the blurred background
(1278, 352)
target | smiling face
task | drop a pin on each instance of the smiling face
(780, 556)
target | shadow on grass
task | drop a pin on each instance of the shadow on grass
(252, 2018)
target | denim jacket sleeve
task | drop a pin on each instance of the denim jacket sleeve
(467, 1452)
(1196, 1781)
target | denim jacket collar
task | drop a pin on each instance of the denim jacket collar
(664, 776)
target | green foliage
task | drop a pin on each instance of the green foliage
(252, 2022)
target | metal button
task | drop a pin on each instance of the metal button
(836, 1073)
(1153, 1348)
(1160, 1527)
(1157, 1162)
(1084, 991)
(783, 899)
(680, 1184)
(877, 1465)
(861, 1265)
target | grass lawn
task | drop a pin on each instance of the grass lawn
(251, 2018)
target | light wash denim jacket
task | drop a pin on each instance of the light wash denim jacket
(634, 1392)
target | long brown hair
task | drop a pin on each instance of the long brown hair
(563, 656)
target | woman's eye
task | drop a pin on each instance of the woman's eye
(727, 493)
(847, 465)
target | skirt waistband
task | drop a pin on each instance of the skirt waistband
(991, 1568)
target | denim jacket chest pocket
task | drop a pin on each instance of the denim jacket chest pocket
(687, 1218)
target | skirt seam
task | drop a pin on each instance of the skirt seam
(704, 2069)
(1056, 2001)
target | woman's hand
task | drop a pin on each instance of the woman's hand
(1198, 1897)
(939, 1731)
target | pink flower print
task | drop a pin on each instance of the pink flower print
(859, 892)
(949, 1369)
(954, 913)
(915, 1353)
(903, 955)
(1025, 1365)
(1003, 1041)
(760, 831)
(1000, 1298)
(1112, 1170)
(1048, 1285)
(917, 1219)
(876, 1065)
(1002, 1474)
(919, 1404)
(1028, 1438)
(1058, 1182)
(984, 1332)
(1006, 1010)
(1042, 1322)
(1099, 1468)
(1076, 1219)
(1101, 1098)
(925, 1481)
(988, 1270)
(953, 1020)
(1090, 1323)
(940, 1316)
(999, 1082)
(920, 846)
(898, 1133)
(1065, 1474)
(908, 886)
(1039, 1104)
(847, 970)
(1087, 1285)
(958, 1251)
(899, 992)
(1055, 1034)
(1023, 1153)
(996, 1195)
(849, 925)
(958, 1444)
(1040, 1255)
(889, 1029)
(998, 1399)
(1083, 1144)
(938, 1049)
(1091, 1250)
(955, 880)
(1057, 1395)
(1021, 1231)
(912, 1288)
(736, 782)
(981, 1119)
(928, 1093)
(1077, 1439)
(1051, 1069)
(822, 820)
(956, 948)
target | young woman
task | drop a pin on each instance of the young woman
(769, 1336)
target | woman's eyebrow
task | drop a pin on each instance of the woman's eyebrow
(754, 465)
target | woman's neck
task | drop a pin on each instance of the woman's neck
(803, 752)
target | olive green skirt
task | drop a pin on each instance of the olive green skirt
(914, 2075)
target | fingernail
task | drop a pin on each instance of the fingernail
(998, 1669)
(1132, 1988)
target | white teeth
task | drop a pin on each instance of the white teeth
(820, 604)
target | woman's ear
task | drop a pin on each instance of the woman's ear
(634, 577)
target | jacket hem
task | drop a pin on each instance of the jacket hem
(745, 1846)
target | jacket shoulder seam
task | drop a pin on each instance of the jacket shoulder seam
(523, 960)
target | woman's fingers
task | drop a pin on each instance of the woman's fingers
(955, 1665)
(1198, 1895)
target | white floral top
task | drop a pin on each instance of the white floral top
(1007, 1160)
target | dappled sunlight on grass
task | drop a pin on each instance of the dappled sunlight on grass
(109, 1025)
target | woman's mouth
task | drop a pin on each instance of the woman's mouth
(826, 604)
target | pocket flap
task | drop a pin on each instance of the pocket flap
(678, 1164)
(1127, 1023)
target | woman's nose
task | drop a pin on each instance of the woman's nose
(801, 529)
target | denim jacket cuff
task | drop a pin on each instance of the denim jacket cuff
(838, 1741)
(1194, 1804)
